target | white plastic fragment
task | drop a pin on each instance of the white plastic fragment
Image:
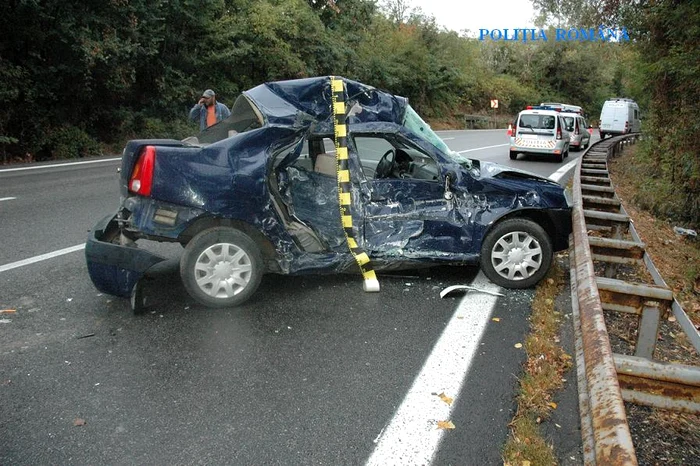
(685, 232)
(452, 288)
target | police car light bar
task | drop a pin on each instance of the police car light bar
(542, 107)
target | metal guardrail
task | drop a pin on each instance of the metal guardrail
(605, 379)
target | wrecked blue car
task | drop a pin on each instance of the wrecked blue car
(261, 192)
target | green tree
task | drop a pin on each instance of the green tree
(660, 70)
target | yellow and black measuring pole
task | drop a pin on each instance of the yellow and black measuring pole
(344, 185)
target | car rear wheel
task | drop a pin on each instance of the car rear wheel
(516, 253)
(513, 155)
(221, 267)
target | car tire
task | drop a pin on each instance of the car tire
(221, 267)
(559, 157)
(516, 253)
(513, 155)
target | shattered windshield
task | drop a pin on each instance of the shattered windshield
(415, 124)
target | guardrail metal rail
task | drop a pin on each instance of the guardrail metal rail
(606, 379)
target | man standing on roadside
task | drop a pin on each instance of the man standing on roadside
(208, 110)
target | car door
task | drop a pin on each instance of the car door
(564, 131)
(585, 135)
(407, 212)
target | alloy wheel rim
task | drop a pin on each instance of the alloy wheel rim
(223, 270)
(516, 256)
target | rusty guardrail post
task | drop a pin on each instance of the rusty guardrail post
(612, 440)
(605, 378)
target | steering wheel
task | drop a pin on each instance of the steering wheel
(385, 165)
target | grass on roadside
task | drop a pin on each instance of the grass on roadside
(545, 365)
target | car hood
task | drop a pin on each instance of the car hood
(494, 178)
(495, 170)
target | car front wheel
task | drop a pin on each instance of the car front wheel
(516, 253)
(221, 267)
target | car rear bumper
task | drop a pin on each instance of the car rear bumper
(615, 132)
(558, 148)
(576, 141)
(115, 268)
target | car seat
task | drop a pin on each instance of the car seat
(326, 164)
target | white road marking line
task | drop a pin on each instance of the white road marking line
(559, 174)
(481, 148)
(54, 165)
(447, 139)
(43, 257)
(7, 198)
(412, 436)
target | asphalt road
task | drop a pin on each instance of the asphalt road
(310, 371)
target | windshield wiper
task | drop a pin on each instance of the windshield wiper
(528, 126)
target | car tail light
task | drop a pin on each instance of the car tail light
(558, 132)
(627, 125)
(576, 130)
(142, 176)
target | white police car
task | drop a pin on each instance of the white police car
(540, 130)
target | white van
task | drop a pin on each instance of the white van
(540, 130)
(619, 116)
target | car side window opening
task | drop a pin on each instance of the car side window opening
(569, 123)
(563, 125)
(381, 158)
(245, 116)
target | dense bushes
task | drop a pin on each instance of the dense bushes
(66, 142)
(75, 75)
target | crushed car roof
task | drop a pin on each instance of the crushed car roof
(299, 101)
